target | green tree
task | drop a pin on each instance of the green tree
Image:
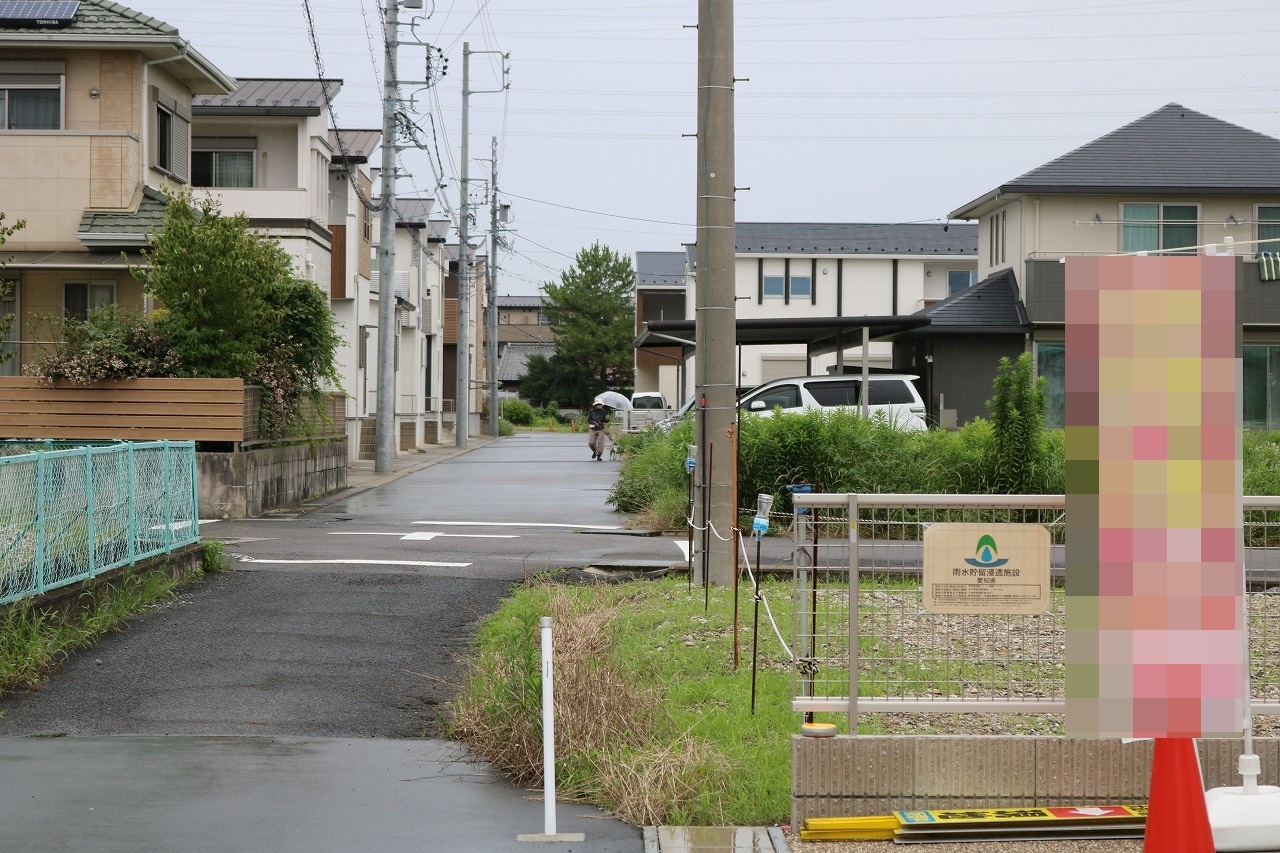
(593, 319)
(6, 320)
(214, 277)
(1017, 420)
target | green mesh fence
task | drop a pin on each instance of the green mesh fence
(71, 513)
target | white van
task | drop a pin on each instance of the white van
(892, 396)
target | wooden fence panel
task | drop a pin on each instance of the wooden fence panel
(132, 409)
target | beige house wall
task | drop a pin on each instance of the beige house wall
(1040, 227)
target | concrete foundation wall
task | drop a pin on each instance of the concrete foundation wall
(877, 775)
(250, 483)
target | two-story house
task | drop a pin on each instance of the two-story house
(662, 280)
(1175, 181)
(810, 273)
(96, 120)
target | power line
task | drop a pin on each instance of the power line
(596, 212)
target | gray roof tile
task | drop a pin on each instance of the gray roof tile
(660, 268)
(270, 97)
(514, 363)
(1173, 149)
(356, 146)
(991, 304)
(800, 238)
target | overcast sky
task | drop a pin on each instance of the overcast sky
(853, 110)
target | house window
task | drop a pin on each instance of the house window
(9, 325)
(81, 297)
(171, 140)
(31, 102)
(1166, 228)
(1051, 366)
(774, 286)
(958, 280)
(801, 286)
(1268, 228)
(222, 168)
(1262, 387)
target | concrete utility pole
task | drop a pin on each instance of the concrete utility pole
(491, 289)
(462, 414)
(716, 326)
(462, 403)
(385, 415)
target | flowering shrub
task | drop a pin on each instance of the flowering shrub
(107, 345)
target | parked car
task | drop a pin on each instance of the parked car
(668, 423)
(648, 400)
(892, 396)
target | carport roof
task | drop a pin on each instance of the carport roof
(819, 334)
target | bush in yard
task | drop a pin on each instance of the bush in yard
(518, 412)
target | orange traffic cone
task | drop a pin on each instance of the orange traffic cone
(1177, 819)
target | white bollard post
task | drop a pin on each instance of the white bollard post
(549, 747)
(548, 732)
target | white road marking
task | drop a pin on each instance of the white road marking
(427, 535)
(683, 545)
(519, 524)
(425, 563)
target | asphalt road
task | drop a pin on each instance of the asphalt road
(344, 621)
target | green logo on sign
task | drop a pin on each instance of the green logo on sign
(986, 555)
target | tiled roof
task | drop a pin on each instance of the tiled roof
(104, 18)
(147, 219)
(519, 301)
(1173, 149)
(514, 363)
(660, 268)
(832, 238)
(103, 24)
(270, 97)
(414, 211)
(354, 145)
(992, 304)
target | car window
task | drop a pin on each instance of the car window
(890, 392)
(786, 396)
(647, 403)
(841, 393)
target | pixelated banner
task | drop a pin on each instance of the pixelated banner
(1155, 570)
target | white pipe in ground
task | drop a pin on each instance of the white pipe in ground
(549, 747)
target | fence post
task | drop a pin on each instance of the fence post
(132, 474)
(41, 485)
(194, 473)
(853, 614)
(168, 497)
(91, 533)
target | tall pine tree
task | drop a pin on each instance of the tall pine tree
(592, 316)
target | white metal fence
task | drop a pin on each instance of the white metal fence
(890, 655)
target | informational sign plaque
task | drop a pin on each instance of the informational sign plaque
(986, 568)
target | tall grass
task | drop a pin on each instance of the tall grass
(653, 722)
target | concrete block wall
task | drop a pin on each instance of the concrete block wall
(876, 775)
(253, 482)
